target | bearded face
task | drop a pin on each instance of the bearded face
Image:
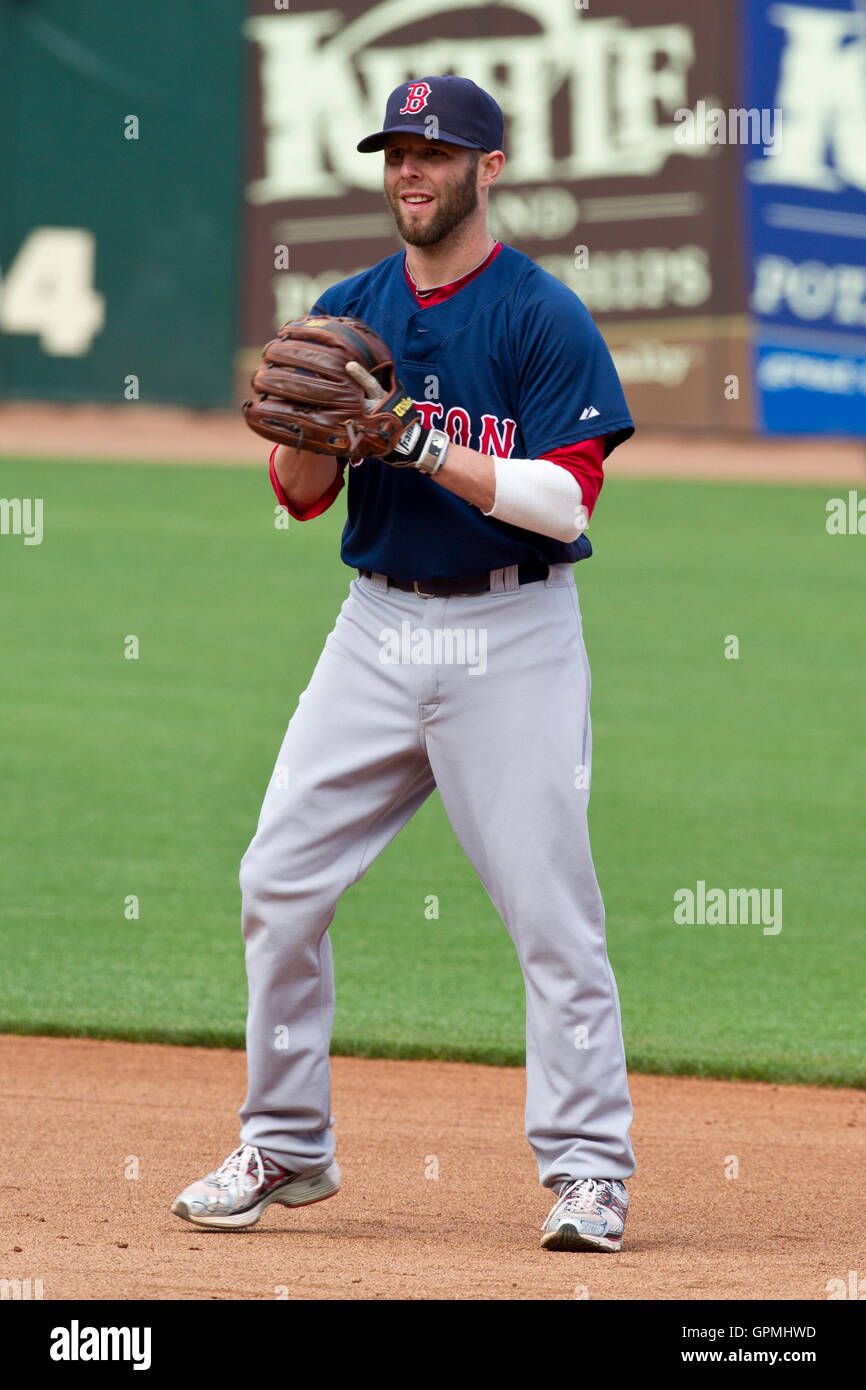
(430, 188)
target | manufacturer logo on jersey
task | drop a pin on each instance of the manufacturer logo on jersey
(589, 413)
(416, 98)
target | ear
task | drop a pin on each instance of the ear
(490, 166)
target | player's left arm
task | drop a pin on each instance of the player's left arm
(536, 494)
(470, 475)
(572, 414)
(552, 496)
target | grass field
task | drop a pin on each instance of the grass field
(144, 777)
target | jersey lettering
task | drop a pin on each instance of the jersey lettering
(492, 442)
(429, 412)
(495, 436)
(458, 426)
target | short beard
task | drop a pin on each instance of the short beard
(455, 205)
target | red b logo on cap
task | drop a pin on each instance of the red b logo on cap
(417, 98)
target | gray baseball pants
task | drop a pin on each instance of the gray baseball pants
(487, 698)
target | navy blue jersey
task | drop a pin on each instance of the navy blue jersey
(510, 365)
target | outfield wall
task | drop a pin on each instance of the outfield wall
(119, 169)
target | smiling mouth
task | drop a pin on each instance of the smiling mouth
(416, 200)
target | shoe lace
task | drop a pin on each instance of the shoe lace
(579, 1196)
(235, 1171)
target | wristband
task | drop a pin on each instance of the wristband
(433, 453)
(420, 448)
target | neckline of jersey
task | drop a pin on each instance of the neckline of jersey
(425, 299)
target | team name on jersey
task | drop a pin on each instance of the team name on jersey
(493, 436)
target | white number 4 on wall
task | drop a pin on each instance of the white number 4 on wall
(48, 289)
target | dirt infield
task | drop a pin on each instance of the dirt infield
(82, 1118)
(160, 434)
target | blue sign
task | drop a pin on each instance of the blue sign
(805, 207)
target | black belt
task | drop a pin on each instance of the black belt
(528, 572)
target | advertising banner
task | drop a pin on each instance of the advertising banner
(600, 188)
(806, 215)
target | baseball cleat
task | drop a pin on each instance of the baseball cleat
(590, 1215)
(237, 1192)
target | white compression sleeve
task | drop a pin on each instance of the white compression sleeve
(539, 496)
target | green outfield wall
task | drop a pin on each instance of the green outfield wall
(120, 164)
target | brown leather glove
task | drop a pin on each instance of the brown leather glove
(306, 399)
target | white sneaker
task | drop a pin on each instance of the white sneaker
(237, 1192)
(590, 1215)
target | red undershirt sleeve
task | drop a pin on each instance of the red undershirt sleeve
(318, 507)
(584, 462)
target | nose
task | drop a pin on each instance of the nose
(410, 167)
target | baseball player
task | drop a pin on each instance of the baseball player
(457, 661)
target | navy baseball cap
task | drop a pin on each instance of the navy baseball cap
(466, 114)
